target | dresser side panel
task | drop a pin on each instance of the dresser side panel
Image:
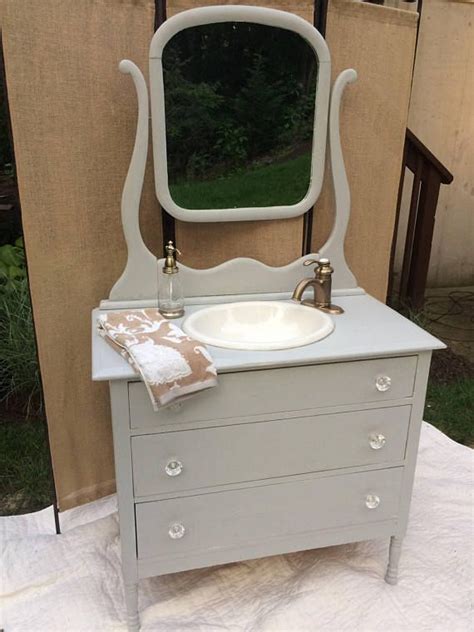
(411, 453)
(124, 478)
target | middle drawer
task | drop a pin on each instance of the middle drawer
(194, 459)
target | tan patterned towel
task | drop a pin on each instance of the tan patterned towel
(171, 364)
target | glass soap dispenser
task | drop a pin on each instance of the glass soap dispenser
(170, 290)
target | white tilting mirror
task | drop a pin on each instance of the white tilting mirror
(239, 106)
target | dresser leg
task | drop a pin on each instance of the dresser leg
(131, 601)
(391, 576)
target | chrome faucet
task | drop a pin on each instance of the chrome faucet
(321, 284)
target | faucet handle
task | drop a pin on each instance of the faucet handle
(323, 264)
(310, 262)
(323, 269)
(322, 261)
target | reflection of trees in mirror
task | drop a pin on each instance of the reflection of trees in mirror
(237, 96)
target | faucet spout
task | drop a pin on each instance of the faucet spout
(300, 289)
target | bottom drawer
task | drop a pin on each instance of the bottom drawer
(230, 519)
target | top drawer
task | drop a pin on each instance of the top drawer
(271, 392)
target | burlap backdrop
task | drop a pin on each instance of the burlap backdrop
(73, 117)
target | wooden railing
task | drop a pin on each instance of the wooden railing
(428, 176)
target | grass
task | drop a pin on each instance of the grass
(450, 407)
(25, 475)
(25, 472)
(281, 183)
(450, 395)
(19, 370)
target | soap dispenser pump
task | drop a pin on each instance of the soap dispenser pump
(170, 290)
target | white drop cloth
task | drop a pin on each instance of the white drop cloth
(73, 582)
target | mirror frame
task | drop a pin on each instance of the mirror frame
(257, 15)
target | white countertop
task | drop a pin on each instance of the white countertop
(368, 328)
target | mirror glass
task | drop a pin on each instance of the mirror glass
(240, 107)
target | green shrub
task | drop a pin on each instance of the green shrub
(191, 120)
(231, 144)
(12, 264)
(19, 371)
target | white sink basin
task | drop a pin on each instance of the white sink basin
(258, 325)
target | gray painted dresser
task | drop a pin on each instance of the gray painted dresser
(293, 450)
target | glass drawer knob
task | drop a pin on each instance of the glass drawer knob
(176, 531)
(174, 467)
(372, 501)
(377, 441)
(383, 383)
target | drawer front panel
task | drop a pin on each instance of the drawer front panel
(192, 459)
(170, 528)
(274, 391)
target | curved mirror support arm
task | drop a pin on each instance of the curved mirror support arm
(139, 279)
(334, 247)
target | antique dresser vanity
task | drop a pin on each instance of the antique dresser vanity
(295, 448)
